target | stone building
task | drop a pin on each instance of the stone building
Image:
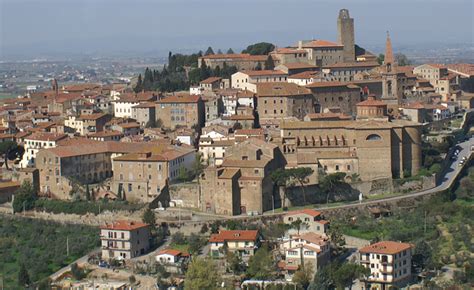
(242, 61)
(181, 110)
(345, 72)
(282, 100)
(345, 35)
(322, 52)
(141, 176)
(123, 105)
(285, 55)
(37, 141)
(242, 184)
(145, 114)
(328, 95)
(373, 149)
(88, 123)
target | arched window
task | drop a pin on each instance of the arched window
(373, 137)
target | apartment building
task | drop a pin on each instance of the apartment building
(389, 263)
(181, 110)
(241, 242)
(37, 141)
(345, 72)
(248, 80)
(123, 106)
(122, 240)
(145, 114)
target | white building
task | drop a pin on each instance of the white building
(124, 240)
(213, 151)
(247, 80)
(36, 142)
(389, 263)
(312, 222)
(241, 242)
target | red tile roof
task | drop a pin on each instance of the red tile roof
(171, 252)
(124, 225)
(321, 43)
(308, 211)
(235, 235)
(254, 73)
(386, 247)
(288, 50)
(94, 116)
(211, 80)
(371, 102)
(46, 136)
(280, 89)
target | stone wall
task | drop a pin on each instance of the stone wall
(184, 195)
(353, 242)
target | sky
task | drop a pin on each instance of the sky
(35, 27)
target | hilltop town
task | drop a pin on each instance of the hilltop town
(251, 170)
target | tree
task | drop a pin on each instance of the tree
(139, 85)
(329, 182)
(336, 237)
(381, 58)
(25, 197)
(422, 257)
(323, 278)
(234, 263)
(269, 63)
(299, 225)
(76, 272)
(302, 277)
(198, 167)
(301, 175)
(347, 273)
(149, 217)
(230, 51)
(261, 266)
(201, 274)
(258, 66)
(402, 60)
(219, 51)
(23, 276)
(281, 177)
(88, 192)
(11, 151)
(195, 243)
(209, 51)
(178, 238)
(259, 48)
(183, 174)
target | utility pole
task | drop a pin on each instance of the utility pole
(67, 246)
(425, 223)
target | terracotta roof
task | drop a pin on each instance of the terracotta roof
(305, 75)
(327, 84)
(321, 43)
(371, 102)
(280, 89)
(124, 226)
(94, 116)
(211, 80)
(353, 64)
(313, 238)
(235, 235)
(239, 117)
(105, 134)
(254, 73)
(386, 247)
(129, 125)
(245, 163)
(258, 131)
(46, 136)
(9, 184)
(145, 105)
(414, 105)
(229, 173)
(339, 116)
(310, 212)
(180, 99)
(171, 252)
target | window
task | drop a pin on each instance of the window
(337, 167)
(373, 137)
(129, 187)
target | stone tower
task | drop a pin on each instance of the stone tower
(345, 34)
(391, 92)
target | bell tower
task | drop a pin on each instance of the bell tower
(390, 88)
(345, 35)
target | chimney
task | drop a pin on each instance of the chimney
(300, 44)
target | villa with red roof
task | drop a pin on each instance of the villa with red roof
(242, 242)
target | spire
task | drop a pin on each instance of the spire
(388, 60)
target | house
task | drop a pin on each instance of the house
(211, 84)
(247, 80)
(124, 240)
(309, 249)
(144, 114)
(106, 136)
(123, 106)
(389, 263)
(174, 261)
(213, 151)
(313, 222)
(241, 242)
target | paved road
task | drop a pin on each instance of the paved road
(79, 262)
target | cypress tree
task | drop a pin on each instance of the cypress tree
(209, 51)
(139, 85)
(269, 64)
(230, 51)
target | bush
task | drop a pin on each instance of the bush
(178, 238)
(82, 207)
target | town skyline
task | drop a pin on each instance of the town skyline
(144, 27)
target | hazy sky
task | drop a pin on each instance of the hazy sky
(136, 26)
